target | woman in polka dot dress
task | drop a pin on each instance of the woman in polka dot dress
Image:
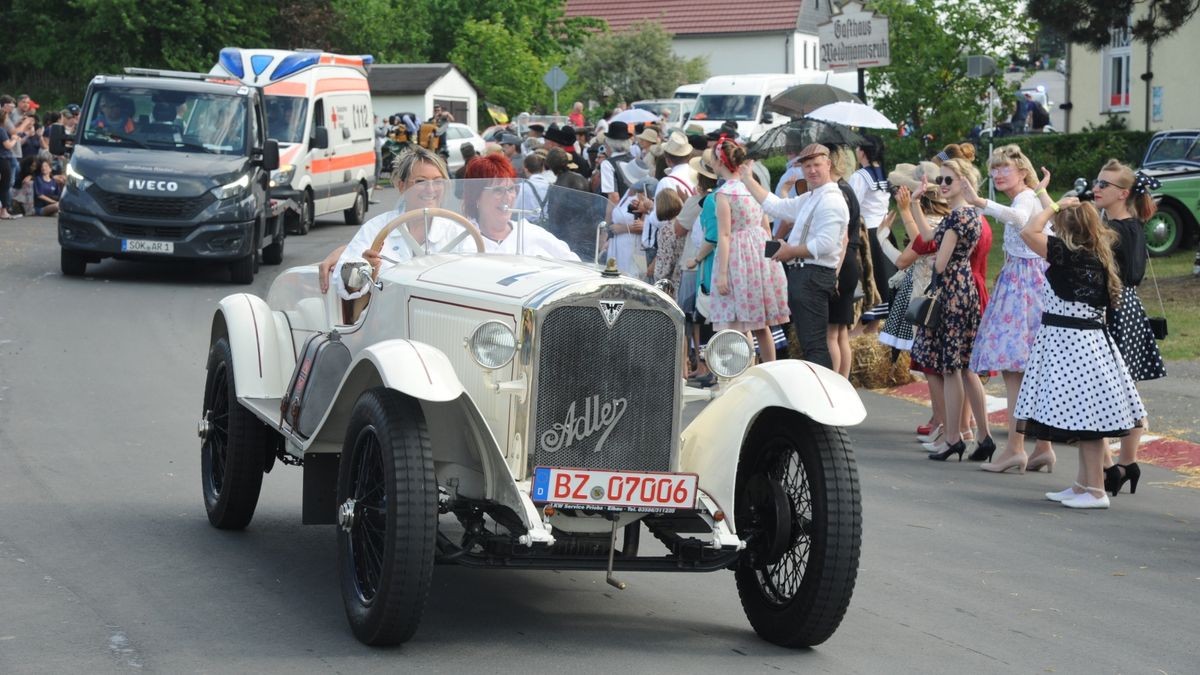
(1076, 387)
(1125, 199)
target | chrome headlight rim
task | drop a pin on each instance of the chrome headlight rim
(492, 344)
(729, 354)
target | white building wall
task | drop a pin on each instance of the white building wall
(454, 87)
(737, 54)
(391, 105)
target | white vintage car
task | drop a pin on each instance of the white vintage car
(517, 411)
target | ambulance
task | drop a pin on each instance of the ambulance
(319, 110)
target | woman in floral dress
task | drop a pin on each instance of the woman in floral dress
(750, 289)
(947, 349)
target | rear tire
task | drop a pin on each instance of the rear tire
(241, 271)
(273, 254)
(387, 517)
(302, 222)
(358, 212)
(231, 454)
(73, 264)
(796, 594)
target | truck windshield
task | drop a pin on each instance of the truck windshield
(158, 119)
(725, 107)
(285, 118)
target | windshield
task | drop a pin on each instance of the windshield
(726, 107)
(671, 112)
(167, 120)
(1173, 149)
(285, 118)
(531, 217)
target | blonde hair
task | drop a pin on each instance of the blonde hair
(1080, 228)
(956, 151)
(964, 170)
(842, 162)
(667, 205)
(1142, 205)
(1011, 155)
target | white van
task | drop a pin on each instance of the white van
(688, 90)
(319, 110)
(742, 98)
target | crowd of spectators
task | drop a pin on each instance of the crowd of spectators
(31, 179)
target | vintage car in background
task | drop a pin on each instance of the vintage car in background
(523, 412)
(1173, 157)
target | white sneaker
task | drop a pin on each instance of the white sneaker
(1065, 494)
(1087, 500)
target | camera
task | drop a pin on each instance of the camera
(1083, 190)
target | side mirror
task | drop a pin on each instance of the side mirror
(60, 141)
(270, 155)
(320, 139)
(356, 274)
(768, 117)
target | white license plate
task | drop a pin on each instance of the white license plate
(147, 246)
(617, 490)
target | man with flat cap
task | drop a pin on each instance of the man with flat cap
(814, 248)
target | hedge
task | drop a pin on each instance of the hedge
(1067, 156)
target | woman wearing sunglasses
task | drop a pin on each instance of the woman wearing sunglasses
(488, 197)
(1014, 312)
(947, 348)
(1124, 198)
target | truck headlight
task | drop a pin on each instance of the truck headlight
(283, 175)
(492, 345)
(729, 353)
(234, 189)
(76, 180)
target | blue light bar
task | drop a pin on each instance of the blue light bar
(259, 62)
(367, 59)
(231, 60)
(294, 63)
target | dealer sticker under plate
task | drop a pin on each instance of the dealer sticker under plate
(614, 490)
(146, 246)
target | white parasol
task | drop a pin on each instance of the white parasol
(852, 115)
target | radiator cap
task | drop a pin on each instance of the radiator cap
(610, 270)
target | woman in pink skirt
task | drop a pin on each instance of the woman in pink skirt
(751, 289)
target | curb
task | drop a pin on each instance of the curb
(1162, 451)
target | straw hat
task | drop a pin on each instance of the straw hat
(703, 164)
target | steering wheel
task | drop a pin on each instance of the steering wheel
(417, 249)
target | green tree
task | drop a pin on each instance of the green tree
(501, 63)
(1087, 22)
(633, 64)
(926, 84)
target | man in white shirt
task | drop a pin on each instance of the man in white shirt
(813, 251)
(676, 151)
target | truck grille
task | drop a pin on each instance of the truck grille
(606, 397)
(178, 208)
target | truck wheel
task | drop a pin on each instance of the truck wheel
(798, 506)
(241, 271)
(357, 213)
(232, 447)
(302, 222)
(273, 254)
(73, 264)
(387, 517)
(1164, 231)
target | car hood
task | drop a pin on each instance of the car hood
(1172, 169)
(156, 173)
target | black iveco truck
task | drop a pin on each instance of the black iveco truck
(167, 164)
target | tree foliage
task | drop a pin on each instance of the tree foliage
(633, 64)
(1088, 22)
(926, 84)
(501, 63)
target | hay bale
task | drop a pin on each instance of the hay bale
(873, 367)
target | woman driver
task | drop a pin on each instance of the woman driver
(487, 200)
(420, 176)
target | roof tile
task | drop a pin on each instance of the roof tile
(693, 17)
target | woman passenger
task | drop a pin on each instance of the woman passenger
(488, 197)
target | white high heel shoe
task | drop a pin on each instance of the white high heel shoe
(932, 436)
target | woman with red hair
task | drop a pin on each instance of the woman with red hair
(488, 197)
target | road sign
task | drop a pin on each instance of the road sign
(555, 78)
(854, 38)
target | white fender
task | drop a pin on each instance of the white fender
(712, 442)
(263, 353)
(413, 368)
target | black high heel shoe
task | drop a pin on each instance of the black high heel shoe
(983, 450)
(1113, 480)
(954, 449)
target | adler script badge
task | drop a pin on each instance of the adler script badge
(611, 309)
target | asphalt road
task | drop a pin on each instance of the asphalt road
(108, 564)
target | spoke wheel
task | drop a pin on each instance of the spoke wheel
(1164, 231)
(232, 449)
(387, 518)
(798, 508)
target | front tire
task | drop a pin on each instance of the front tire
(241, 271)
(1164, 231)
(233, 447)
(358, 212)
(73, 264)
(798, 505)
(387, 518)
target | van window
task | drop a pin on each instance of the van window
(726, 107)
(167, 120)
(285, 118)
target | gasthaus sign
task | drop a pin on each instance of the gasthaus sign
(854, 38)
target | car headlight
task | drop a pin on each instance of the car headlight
(234, 189)
(283, 175)
(76, 180)
(493, 344)
(729, 353)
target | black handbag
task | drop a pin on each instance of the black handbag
(1158, 324)
(926, 309)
